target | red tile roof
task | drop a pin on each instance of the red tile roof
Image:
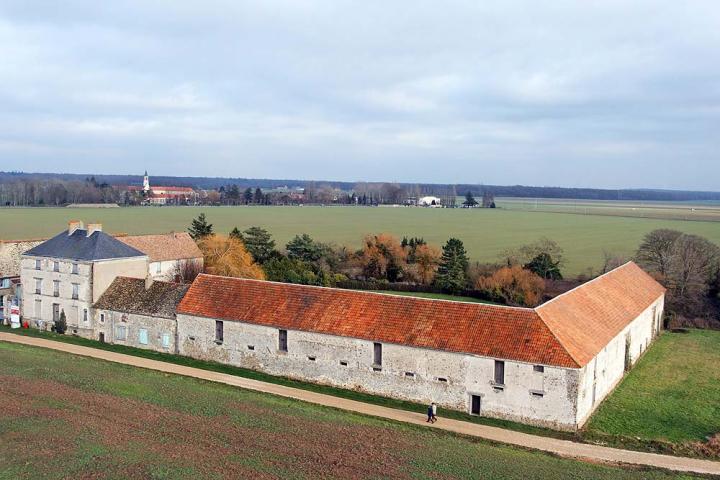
(487, 330)
(585, 319)
(567, 331)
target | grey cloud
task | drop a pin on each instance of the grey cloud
(610, 94)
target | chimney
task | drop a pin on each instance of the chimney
(93, 227)
(148, 282)
(74, 225)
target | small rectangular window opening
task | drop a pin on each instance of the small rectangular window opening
(282, 341)
(251, 347)
(499, 372)
(410, 374)
(219, 331)
(442, 379)
(343, 363)
(312, 359)
(538, 368)
(537, 394)
(377, 354)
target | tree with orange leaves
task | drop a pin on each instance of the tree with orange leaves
(514, 285)
(382, 257)
(427, 259)
(228, 257)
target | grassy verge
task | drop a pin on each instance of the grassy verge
(85, 418)
(670, 400)
(264, 377)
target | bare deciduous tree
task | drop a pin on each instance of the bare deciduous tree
(656, 250)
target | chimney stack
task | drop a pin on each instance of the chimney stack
(74, 225)
(93, 227)
(148, 282)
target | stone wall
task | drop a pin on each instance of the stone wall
(544, 398)
(607, 369)
(106, 322)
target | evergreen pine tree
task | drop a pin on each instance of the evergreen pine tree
(200, 228)
(452, 272)
(469, 200)
(259, 243)
(60, 325)
(235, 233)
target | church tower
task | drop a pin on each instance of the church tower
(146, 183)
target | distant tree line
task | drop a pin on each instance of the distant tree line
(375, 193)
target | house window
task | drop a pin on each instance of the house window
(282, 340)
(343, 363)
(37, 264)
(143, 336)
(442, 379)
(218, 331)
(56, 288)
(251, 347)
(120, 332)
(75, 291)
(38, 308)
(499, 372)
(377, 354)
(38, 286)
(102, 318)
(166, 340)
(312, 359)
(75, 269)
(56, 266)
(538, 368)
(85, 316)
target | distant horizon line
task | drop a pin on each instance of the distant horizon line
(353, 182)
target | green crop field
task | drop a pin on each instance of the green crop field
(486, 233)
(66, 416)
(672, 395)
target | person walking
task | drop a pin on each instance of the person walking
(434, 412)
(430, 413)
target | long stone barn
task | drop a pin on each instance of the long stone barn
(549, 366)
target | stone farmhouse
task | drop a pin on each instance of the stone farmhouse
(140, 313)
(70, 271)
(168, 253)
(549, 366)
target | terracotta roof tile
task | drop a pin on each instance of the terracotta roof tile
(585, 319)
(164, 247)
(486, 330)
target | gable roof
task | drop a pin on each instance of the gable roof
(486, 330)
(586, 318)
(169, 246)
(80, 246)
(129, 295)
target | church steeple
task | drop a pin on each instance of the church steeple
(146, 183)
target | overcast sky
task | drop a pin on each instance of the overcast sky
(570, 93)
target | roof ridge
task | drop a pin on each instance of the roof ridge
(370, 292)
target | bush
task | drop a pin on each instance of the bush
(60, 325)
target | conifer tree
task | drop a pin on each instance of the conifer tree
(452, 272)
(200, 228)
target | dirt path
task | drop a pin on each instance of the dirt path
(559, 447)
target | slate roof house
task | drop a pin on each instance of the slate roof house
(70, 271)
(548, 366)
